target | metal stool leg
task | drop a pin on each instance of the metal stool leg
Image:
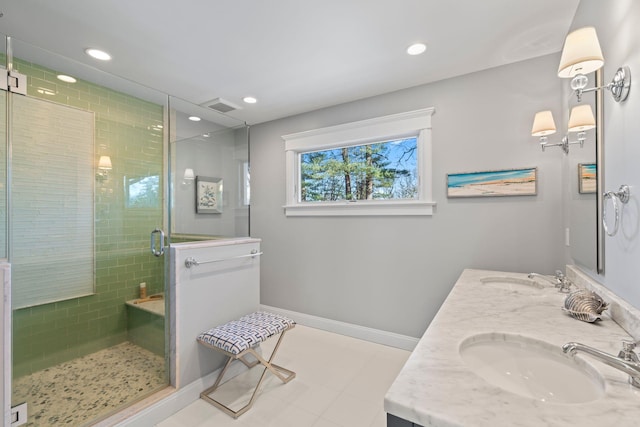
(278, 371)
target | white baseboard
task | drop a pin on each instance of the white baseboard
(164, 408)
(378, 336)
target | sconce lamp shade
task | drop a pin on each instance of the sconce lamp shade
(581, 119)
(543, 124)
(105, 163)
(189, 174)
(581, 53)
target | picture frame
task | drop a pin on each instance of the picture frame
(587, 178)
(497, 183)
(208, 195)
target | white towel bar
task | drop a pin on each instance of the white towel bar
(191, 261)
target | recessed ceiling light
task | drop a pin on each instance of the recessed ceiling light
(65, 78)
(416, 49)
(98, 54)
(249, 99)
(194, 118)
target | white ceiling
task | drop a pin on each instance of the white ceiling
(293, 55)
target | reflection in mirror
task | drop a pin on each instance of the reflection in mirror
(584, 172)
(214, 147)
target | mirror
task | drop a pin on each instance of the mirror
(584, 189)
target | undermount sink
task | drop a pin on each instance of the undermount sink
(531, 368)
(515, 284)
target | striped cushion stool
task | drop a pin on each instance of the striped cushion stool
(238, 338)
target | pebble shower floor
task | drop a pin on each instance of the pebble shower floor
(82, 390)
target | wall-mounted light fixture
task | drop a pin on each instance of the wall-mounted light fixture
(581, 55)
(580, 120)
(104, 166)
(188, 177)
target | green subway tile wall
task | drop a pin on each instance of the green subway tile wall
(146, 330)
(129, 130)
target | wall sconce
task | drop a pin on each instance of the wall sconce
(188, 177)
(580, 120)
(581, 55)
(104, 166)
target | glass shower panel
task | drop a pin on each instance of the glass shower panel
(210, 160)
(83, 355)
(3, 174)
(3, 154)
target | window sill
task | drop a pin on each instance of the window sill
(361, 208)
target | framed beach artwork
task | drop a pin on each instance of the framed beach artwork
(587, 174)
(208, 195)
(508, 182)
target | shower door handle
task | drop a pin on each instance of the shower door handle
(157, 249)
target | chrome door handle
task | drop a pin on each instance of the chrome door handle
(160, 248)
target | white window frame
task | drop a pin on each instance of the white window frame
(379, 129)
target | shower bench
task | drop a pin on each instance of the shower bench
(239, 338)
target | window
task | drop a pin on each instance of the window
(377, 171)
(379, 166)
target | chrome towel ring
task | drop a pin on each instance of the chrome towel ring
(617, 197)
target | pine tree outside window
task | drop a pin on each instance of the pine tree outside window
(377, 171)
(379, 166)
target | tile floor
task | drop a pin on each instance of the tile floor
(340, 381)
(81, 390)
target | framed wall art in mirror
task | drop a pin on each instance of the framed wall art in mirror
(587, 177)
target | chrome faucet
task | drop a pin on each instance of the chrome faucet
(560, 281)
(627, 360)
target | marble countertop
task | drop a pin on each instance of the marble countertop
(436, 388)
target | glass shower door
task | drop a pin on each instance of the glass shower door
(5, 304)
(3, 171)
(88, 184)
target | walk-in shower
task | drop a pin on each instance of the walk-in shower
(89, 167)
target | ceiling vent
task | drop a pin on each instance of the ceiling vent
(220, 105)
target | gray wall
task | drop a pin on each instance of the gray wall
(618, 25)
(392, 273)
